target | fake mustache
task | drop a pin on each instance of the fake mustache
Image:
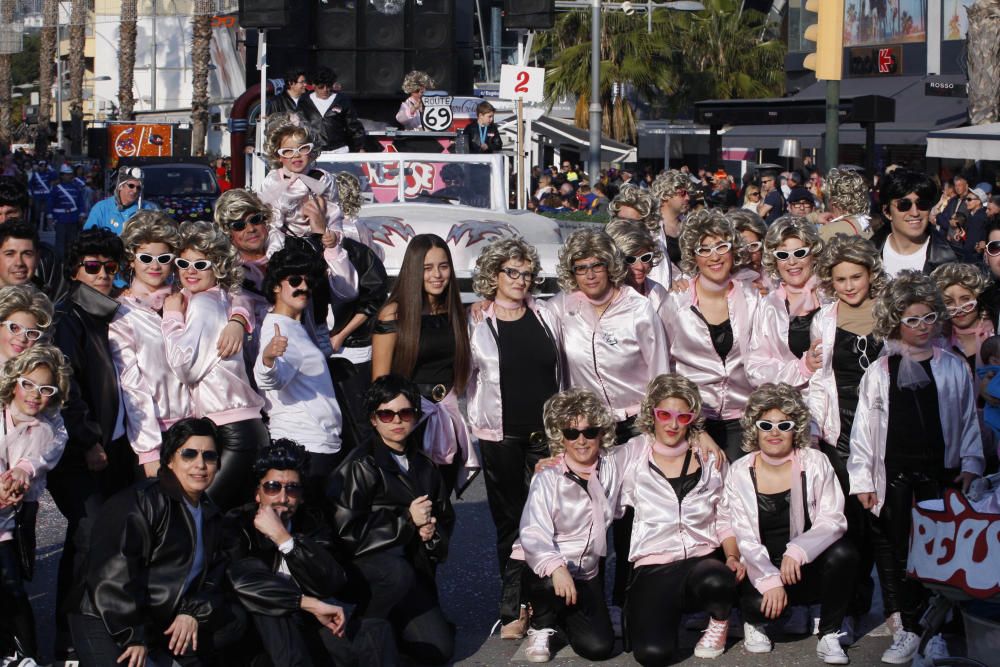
(300, 292)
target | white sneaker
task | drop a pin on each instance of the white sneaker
(894, 623)
(847, 631)
(829, 650)
(713, 640)
(797, 622)
(615, 612)
(755, 640)
(904, 647)
(538, 645)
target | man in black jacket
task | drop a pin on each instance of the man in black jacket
(483, 137)
(332, 116)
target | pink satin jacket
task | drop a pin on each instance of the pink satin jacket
(664, 530)
(825, 503)
(770, 359)
(34, 445)
(821, 395)
(219, 387)
(616, 355)
(286, 193)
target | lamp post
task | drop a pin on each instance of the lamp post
(59, 87)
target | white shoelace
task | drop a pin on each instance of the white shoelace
(715, 631)
(540, 638)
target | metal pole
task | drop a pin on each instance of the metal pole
(152, 64)
(595, 91)
(520, 154)
(59, 87)
(832, 146)
(496, 38)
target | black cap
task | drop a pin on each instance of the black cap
(800, 194)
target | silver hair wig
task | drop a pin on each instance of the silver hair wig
(149, 227)
(709, 222)
(789, 227)
(782, 397)
(492, 258)
(562, 410)
(234, 205)
(662, 387)
(209, 240)
(959, 273)
(349, 193)
(584, 243)
(906, 289)
(852, 250)
(26, 299)
(632, 238)
(280, 126)
(666, 185)
(635, 197)
(416, 80)
(39, 355)
(848, 192)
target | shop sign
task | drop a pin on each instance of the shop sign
(876, 61)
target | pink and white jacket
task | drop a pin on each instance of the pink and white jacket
(725, 385)
(963, 442)
(484, 406)
(287, 192)
(657, 295)
(34, 445)
(770, 359)
(825, 503)
(219, 387)
(614, 355)
(665, 531)
(154, 397)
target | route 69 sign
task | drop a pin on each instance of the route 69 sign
(437, 115)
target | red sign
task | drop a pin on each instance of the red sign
(139, 140)
(876, 61)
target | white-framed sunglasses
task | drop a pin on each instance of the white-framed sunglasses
(915, 322)
(783, 426)
(146, 258)
(798, 253)
(199, 264)
(28, 386)
(304, 149)
(717, 249)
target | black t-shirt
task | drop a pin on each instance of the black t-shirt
(799, 333)
(527, 373)
(852, 354)
(914, 441)
(776, 201)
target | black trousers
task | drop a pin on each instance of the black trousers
(391, 589)
(659, 594)
(828, 580)
(890, 533)
(587, 624)
(238, 444)
(17, 621)
(728, 436)
(507, 469)
(298, 640)
(621, 529)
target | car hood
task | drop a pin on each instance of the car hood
(185, 207)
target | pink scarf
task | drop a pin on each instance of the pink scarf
(599, 507)
(801, 300)
(677, 450)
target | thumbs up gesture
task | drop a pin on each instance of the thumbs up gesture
(275, 348)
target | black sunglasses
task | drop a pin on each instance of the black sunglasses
(273, 488)
(589, 433)
(904, 205)
(255, 219)
(93, 266)
(295, 281)
(387, 416)
(208, 455)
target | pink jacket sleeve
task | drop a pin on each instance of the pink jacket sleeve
(341, 274)
(537, 533)
(190, 342)
(653, 342)
(141, 421)
(828, 523)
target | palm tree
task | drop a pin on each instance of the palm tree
(6, 81)
(77, 37)
(127, 31)
(50, 21)
(201, 39)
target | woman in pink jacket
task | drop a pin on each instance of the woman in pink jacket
(968, 322)
(642, 255)
(788, 515)
(25, 316)
(32, 388)
(916, 432)
(193, 319)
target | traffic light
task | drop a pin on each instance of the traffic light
(828, 33)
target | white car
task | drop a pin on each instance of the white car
(461, 198)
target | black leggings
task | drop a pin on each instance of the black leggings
(238, 444)
(890, 532)
(659, 594)
(507, 469)
(17, 621)
(621, 529)
(394, 591)
(587, 624)
(828, 580)
(728, 436)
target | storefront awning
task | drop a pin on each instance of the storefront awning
(561, 133)
(976, 142)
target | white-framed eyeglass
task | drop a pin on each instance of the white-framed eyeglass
(289, 152)
(915, 322)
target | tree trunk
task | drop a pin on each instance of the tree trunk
(6, 81)
(47, 49)
(126, 59)
(77, 38)
(201, 39)
(984, 61)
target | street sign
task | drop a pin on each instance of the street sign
(936, 88)
(525, 83)
(437, 115)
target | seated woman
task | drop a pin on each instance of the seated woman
(787, 511)
(564, 527)
(155, 566)
(393, 518)
(33, 386)
(683, 549)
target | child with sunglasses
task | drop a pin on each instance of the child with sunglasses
(916, 432)
(787, 514)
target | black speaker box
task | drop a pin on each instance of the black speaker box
(336, 26)
(529, 14)
(439, 64)
(344, 63)
(384, 31)
(431, 25)
(97, 143)
(267, 14)
(382, 72)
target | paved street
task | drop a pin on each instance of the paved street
(469, 589)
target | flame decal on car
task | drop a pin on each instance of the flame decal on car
(479, 230)
(383, 227)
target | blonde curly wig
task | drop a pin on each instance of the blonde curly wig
(789, 227)
(632, 196)
(633, 239)
(848, 192)
(492, 258)
(662, 387)
(416, 80)
(562, 409)
(26, 299)
(959, 273)
(280, 126)
(39, 355)
(709, 222)
(906, 289)
(666, 185)
(148, 227)
(209, 240)
(782, 397)
(853, 250)
(349, 193)
(584, 243)
(234, 205)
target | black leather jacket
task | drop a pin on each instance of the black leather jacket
(49, 276)
(81, 332)
(938, 250)
(494, 144)
(254, 560)
(141, 550)
(373, 290)
(370, 498)
(338, 127)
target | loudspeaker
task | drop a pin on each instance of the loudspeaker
(182, 142)
(344, 63)
(381, 73)
(431, 25)
(268, 14)
(97, 143)
(384, 31)
(336, 26)
(529, 14)
(439, 64)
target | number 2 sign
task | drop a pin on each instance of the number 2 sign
(526, 83)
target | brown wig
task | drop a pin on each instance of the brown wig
(410, 299)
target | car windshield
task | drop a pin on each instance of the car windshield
(426, 181)
(179, 181)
